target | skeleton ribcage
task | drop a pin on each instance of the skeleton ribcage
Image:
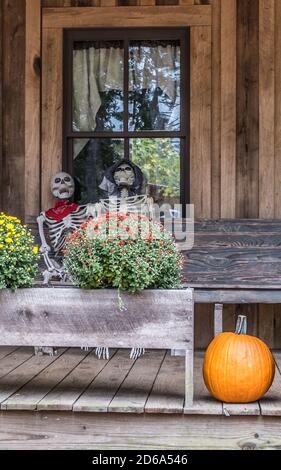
(58, 231)
(138, 204)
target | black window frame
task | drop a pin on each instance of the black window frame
(126, 35)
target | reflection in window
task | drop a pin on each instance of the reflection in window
(154, 85)
(98, 86)
(159, 160)
(91, 158)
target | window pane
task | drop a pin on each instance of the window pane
(98, 69)
(154, 85)
(159, 160)
(91, 158)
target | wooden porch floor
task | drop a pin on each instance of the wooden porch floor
(77, 381)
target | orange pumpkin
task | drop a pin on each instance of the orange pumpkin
(238, 368)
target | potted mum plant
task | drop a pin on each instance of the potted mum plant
(123, 250)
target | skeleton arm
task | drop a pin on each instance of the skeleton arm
(94, 210)
(44, 245)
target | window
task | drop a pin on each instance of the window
(126, 97)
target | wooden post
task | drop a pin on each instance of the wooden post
(189, 378)
(218, 319)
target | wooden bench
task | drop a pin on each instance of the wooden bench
(235, 262)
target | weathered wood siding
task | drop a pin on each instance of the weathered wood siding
(235, 116)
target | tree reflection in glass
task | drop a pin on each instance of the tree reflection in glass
(154, 85)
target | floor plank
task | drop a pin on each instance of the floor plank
(234, 409)
(30, 395)
(17, 378)
(134, 391)
(6, 350)
(14, 360)
(110, 431)
(167, 395)
(203, 402)
(271, 403)
(68, 391)
(101, 391)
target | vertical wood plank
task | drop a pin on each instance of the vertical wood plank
(247, 105)
(183, 2)
(108, 3)
(200, 121)
(216, 107)
(229, 317)
(277, 326)
(200, 151)
(189, 366)
(1, 108)
(266, 324)
(84, 3)
(51, 109)
(228, 107)
(69, 3)
(277, 116)
(247, 152)
(53, 3)
(32, 108)
(13, 34)
(266, 108)
(218, 319)
(203, 325)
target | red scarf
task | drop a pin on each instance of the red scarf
(61, 210)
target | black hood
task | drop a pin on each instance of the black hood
(108, 184)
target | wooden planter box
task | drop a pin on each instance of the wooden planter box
(74, 317)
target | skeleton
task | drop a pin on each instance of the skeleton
(66, 217)
(60, 221)
(123, 183)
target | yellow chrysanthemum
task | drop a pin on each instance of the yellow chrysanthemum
(10, 226)
(1, 246)
(35, 250)
(8, 240)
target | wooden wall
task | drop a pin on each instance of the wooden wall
(235, 126)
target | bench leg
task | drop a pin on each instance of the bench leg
(177, 352)
(189, 378)
(218, 325)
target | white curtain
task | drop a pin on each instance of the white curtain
(97, 70)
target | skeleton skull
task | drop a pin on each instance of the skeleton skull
(62, 186)
(124, 175)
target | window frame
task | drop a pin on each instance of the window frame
(182, 34)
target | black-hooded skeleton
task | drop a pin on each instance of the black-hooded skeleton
(109, 185)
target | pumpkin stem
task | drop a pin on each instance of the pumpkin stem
(241, 325)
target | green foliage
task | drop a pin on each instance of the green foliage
(160, 162)
(126, 251)
(18, 255)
